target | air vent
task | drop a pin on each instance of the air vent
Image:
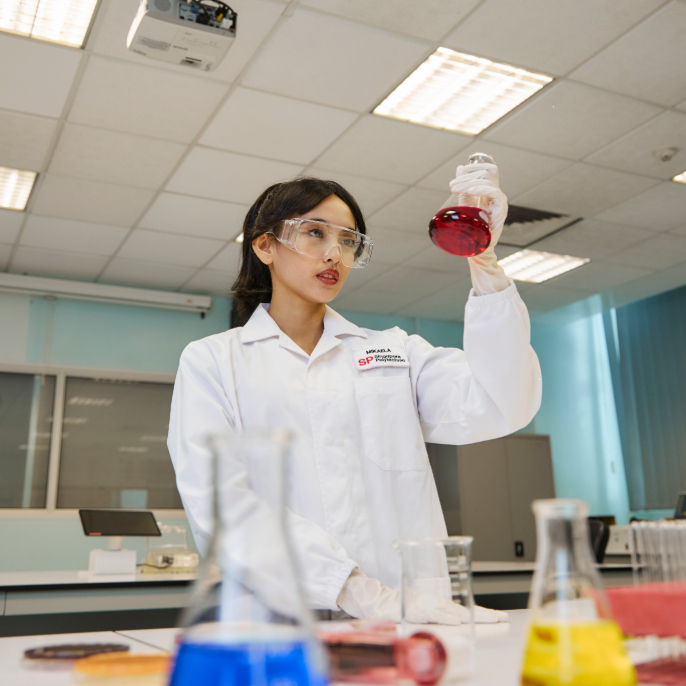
(525, 226)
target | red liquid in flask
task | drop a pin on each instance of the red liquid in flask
(462, 231)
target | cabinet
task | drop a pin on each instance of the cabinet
(486, 490)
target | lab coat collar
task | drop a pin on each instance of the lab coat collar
(261, 326)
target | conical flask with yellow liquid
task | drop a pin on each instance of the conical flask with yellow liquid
(572, 639)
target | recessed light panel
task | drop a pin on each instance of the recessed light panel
(60, 21)
(534, 266)
(239, 238)
(15, 188)
(460, 92)
(680, 178)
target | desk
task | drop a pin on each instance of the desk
(498, 652)
(55, 602)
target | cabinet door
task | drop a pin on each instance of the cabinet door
(530, 476)
(443, 460)
(485, 499)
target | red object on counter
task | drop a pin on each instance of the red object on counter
(657, 609)
(380, 657)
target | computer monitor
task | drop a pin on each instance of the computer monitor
(680, 511)
(118, 523)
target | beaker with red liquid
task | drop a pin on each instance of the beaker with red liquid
(462, 226)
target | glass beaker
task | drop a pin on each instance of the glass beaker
(437, 590)
(462, 226)
(247, 622)
(572, 639)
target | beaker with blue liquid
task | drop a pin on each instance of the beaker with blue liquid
(247, 623)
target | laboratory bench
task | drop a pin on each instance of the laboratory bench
(59, 602)
(498, 652)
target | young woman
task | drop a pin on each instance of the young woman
(360, 403)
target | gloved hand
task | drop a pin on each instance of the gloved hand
(367, 598)
(482, 179)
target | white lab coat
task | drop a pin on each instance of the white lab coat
(360, 475)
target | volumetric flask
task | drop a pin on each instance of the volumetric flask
(463, 224)
(437, 590)
(572, 638)
(247, 623)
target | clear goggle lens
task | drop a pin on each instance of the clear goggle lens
(318, 240)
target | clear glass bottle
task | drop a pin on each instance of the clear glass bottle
(462, 226)
(247, 622)
(572, 638)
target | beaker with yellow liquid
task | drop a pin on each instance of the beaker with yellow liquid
(572, 639)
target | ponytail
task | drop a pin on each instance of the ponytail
(253, 284)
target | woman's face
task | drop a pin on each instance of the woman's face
(315, 280)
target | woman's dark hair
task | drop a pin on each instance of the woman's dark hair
(280, 201)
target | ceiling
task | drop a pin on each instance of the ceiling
(146, 170)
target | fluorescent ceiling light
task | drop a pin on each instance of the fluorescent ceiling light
(460, 92)
(60, 21)
(535, 266)
(680, 178)
(15, 188)
(239, 238)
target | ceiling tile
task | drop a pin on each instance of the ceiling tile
(393, 247)
(660, 208)
(357, 278)
(371, 194)
(571, 120)
(70, 235)
(151, 246)
(519, 170)
(593, 239)
(228, 176)
(634, 151)
(411, 211)
(391, 150)
(146, 274)
(648, 62)
(144, 100)
(431, 257)
(552, 37)
(412, 280)
(680, 230)
(66, 265)
(327, 60)
(195, 216)
(682, 106)
(584, 190)
(542, 297)
(272, 126)
(24, 140)
(429, 19)
(5, 252)
(40, 76)
(596, 277)
(87, 153)
(227, 260)
(10, 223)
(373, 301)
(90, 201)
(210, 282)
(256, 18)
(657, 282)
(660, 251)
(446, 303)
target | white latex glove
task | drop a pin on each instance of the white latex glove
(482, 179)
(367, 598)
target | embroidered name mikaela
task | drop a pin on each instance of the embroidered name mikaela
(392, 355)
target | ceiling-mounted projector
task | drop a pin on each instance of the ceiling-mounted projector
(196, 34)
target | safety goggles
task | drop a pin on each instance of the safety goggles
(320, 240)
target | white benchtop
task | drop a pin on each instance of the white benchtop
(498, 652)
(79, 578)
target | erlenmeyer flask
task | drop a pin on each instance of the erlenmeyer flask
(572, 638)
(247, 622)
(463, 224)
